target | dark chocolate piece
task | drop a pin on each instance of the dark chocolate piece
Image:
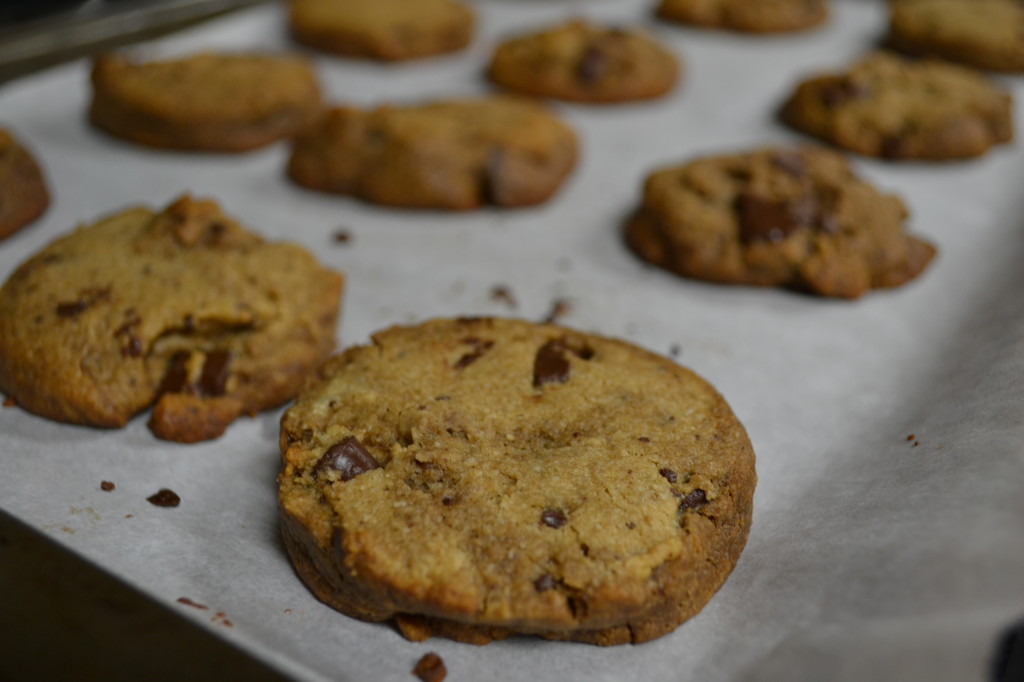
(214, 378)
(349, 458)
(692, 499)
(106, 486)
(551, 365)
(164, 498)
(669, 474)
(764, 219)
(553, 518)
(544, 583)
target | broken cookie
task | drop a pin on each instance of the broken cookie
(183, 310)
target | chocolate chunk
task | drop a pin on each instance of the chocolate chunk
(644, 439)
(842, 90)
(692, 499)
(72, 309)
(479, 348)
(176, 377)
(669, 474)
(551, 365)
(544, 583)
(791, 162)
(430, 668)
(592, 65)
(214, 378)
(765, 219)
(132, 347)
(164, 498)
(348, 457)
(106, 486)
(894, 147)
(553, 518)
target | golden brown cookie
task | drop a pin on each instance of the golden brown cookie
(796, 218)
(899, 109)
(382, 29)
(183, 309)
(206, 102)
(985, 33)
(748, 16)
(585, 63)
(449, 155)
(23, 193)
(477, 478)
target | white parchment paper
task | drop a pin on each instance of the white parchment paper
(872, 556)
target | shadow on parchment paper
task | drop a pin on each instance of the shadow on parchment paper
(857, 599)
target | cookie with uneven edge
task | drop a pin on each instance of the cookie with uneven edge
(477, 478)
(747, 16)
(585, 63)
(985, 33)
(23, 193)
(898, 109)
(796, 218)
(390, 30)
(457, 154)
(206, 102)
(183, 310)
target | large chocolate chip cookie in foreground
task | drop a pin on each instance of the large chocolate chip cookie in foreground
(477, 478)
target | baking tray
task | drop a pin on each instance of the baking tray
(888, 535)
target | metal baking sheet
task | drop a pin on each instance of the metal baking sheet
(888, 538)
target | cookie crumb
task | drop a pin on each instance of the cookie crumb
(502, 294)
(560, 307)
(106, 486)
(164, 498)
(430, 668)
(9, 402)
(911, 437)
(342, 236)
(188, 602)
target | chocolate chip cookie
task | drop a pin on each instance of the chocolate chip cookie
(796, 218)
(382, 29)
(206, 102)
(23, 193)
(985, 33)
(898, 109)
(748, 16)
(585, 63)
(449, 155)
(182, 309)
(477, 478)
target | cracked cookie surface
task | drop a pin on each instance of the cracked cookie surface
(477, 478)
(899, 109)
(23, 192)
(983, 33)
(796, 218)
(748, 16)
(181, 309)
(205, 102)
(457, 154)
(390, 30)
(585, 63)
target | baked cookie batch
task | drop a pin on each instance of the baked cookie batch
(477, 478)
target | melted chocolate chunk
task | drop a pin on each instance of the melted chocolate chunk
(765, 219)
(87, 298)
(132, 347)
(553, 518)
(349, 458)
(106, 486)
(668, 474)
(841, 91)
(214, 378)
(551, 365)
(692, 499)
(544, 583)
(71, 309)
(430, 668)
(164, 498)
(592, 65)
